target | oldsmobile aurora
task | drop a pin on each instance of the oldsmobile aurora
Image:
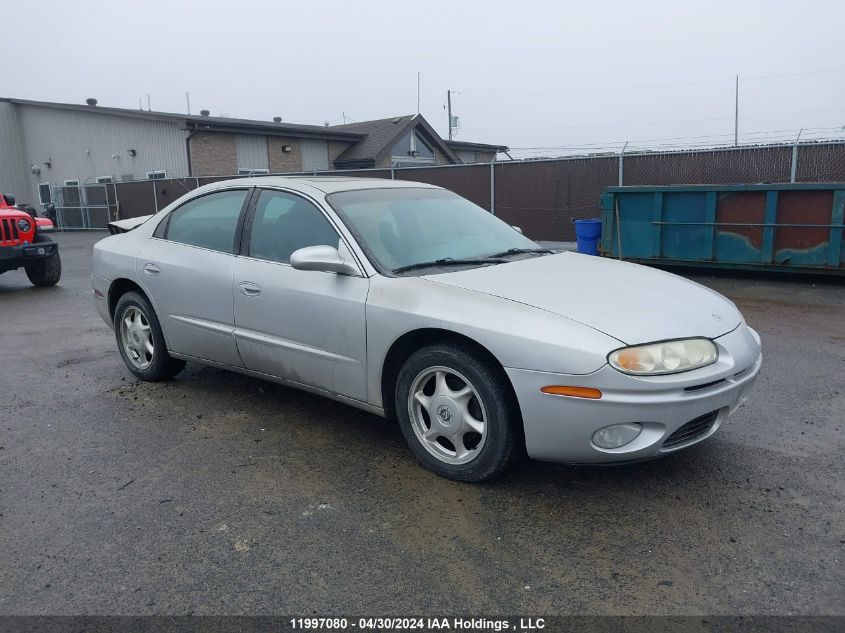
(411, 302)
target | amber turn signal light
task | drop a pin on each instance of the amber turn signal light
(574, 392)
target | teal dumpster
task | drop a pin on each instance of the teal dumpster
(788, 227)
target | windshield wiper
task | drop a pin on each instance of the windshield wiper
(450, 261)
(520, 251)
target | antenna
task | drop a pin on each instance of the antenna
(188, 100)
(418, 92)
(148, 102)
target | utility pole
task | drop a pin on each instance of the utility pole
(449, 108)
(736, 113)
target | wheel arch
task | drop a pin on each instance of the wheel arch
(120, 287)
(414, 340)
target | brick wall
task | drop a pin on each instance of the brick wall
(336, 148)
(280, 161)
(213, 154)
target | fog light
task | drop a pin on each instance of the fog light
(616, 435)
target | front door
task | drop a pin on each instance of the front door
(305, 326)
(187, 268)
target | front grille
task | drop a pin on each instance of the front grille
(8, 230)
(691, 431)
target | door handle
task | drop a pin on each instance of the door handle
(151, 269)
(249, 289)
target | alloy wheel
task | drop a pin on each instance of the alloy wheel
(447, 415)
(136, 337)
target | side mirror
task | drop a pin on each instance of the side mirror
(10, 199)
(323, 258)
(517, 229)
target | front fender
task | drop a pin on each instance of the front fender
(518, 335)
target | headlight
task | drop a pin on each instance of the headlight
(24, 225)
(669, 357)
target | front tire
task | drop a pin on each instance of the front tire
(47, 271)
(455, 412)
(140, 340)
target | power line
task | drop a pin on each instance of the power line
(641, 124)
(784, 133)
(651, 86)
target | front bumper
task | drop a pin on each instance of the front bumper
(560, 428)
(18, 255)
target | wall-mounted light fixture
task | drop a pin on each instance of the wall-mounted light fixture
(132, 152)
(35, 169)
(287, 148)
(48, 163)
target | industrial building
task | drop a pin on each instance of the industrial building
(46, 146)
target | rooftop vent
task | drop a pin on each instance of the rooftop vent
(91, 101)
(277, 119)
(205, 113)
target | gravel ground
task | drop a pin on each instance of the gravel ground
(217, 493)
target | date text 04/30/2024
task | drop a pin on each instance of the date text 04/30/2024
(418, 624)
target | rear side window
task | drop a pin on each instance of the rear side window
(284, 223)
(209, 221)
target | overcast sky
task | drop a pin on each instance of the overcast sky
(526, 74)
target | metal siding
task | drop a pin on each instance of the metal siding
(315, 155)
(80, 145)
(252, 152)
(14, 170)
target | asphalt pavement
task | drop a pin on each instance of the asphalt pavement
(221, 494)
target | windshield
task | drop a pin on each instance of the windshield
(406, 226)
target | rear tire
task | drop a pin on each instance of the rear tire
(45, 272)
(140, 340)
(455, 412)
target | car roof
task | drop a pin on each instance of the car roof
(326, 184)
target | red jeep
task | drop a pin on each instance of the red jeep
(23, 244)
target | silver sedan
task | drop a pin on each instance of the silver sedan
(411, 302)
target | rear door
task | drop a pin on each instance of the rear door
(187, 267)
(305, 326)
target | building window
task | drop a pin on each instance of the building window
(243, 171)
(44, 196)
(71, 183)
(104, 180)
(156, 175)
(412, 148)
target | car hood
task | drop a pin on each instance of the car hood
(632, 303)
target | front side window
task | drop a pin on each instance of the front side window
(284, 223)
(406, 226)
(209, 221)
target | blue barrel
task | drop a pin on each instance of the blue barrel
(587, 234)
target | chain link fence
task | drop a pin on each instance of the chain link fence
(86, 206)
(543, 197)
